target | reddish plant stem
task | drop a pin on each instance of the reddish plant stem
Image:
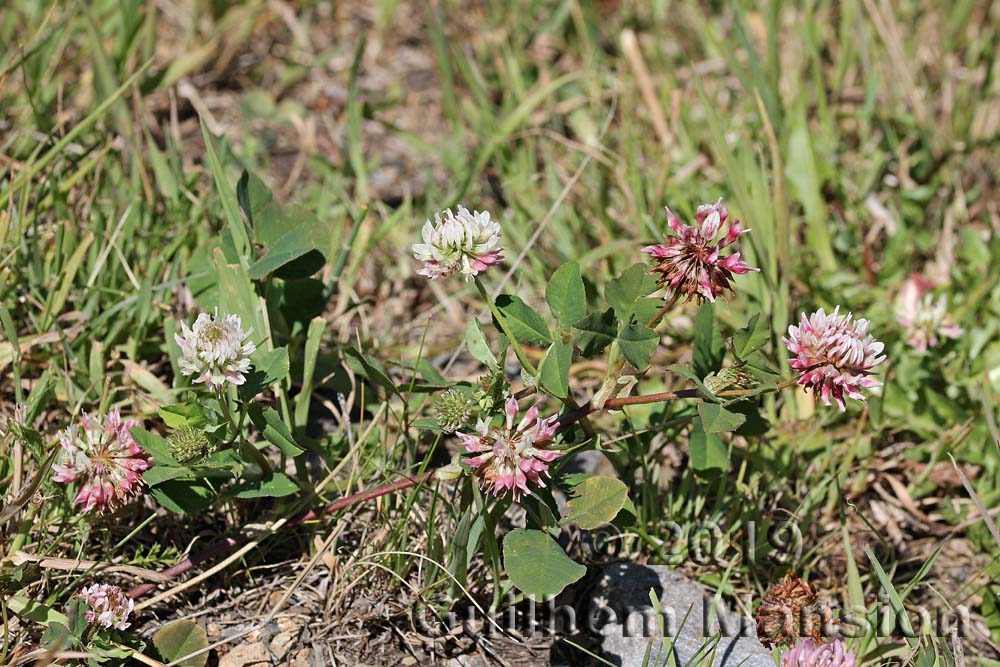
(230, 544)
(667, 307)
(214, 550)
(611, 403)
(661, 397)
(371, 494)
(227, 545)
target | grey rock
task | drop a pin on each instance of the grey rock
(622, 613)
(468, 661)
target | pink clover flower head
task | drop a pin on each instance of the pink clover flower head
(835, 354)
(104, 458)
(810, 654)
(924, 320)
(508, 458)
(691, 262)
(467, 243)
(109, 606)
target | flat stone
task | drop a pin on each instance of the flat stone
(302, 658)
(622, 613)
(467, 661)
(245, 655)
(282, 643)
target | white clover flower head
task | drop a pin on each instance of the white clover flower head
(467, 243)
(109, 606)
(924, 320)
(216, 350)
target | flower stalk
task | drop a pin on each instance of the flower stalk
(505, 327)
(616, 362)
(662, 397)
(230, 544)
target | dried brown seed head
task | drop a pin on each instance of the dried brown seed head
(790, 610)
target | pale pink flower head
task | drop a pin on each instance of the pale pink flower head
(835, 354)
(691, 262)
(810, 654)
(109, 606)
(508, 458)
(216, 350)
(104, 459)
(924, 320)
(467, 243)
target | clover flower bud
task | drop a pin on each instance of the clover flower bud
(452, 410)
(493, 390)
(735, 377)
(189, 443)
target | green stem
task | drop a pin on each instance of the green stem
(6, 634)
(521, 356)
(23, 528)
(616, 362)
(242, 447)
(491, 548)
(227, 410)
(505, 328)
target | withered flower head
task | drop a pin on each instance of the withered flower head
(790, 610)
(690, 261)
